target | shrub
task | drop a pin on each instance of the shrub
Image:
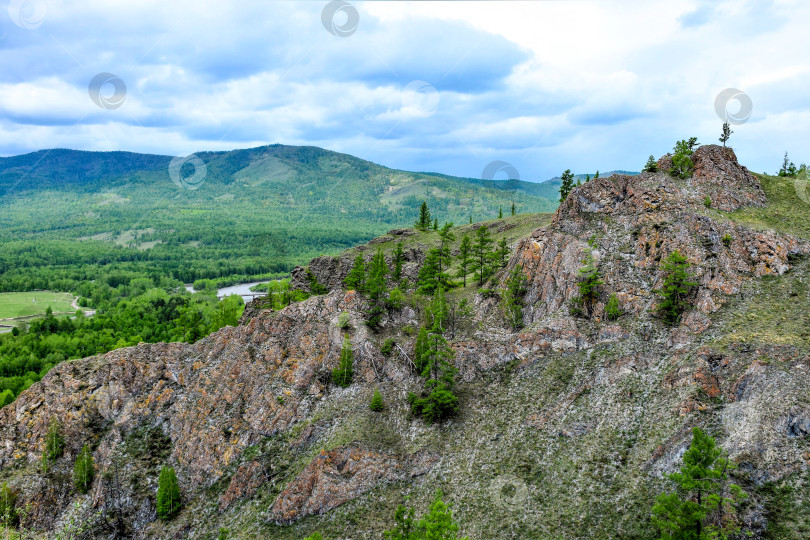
(707, 202)
(726, 240)
(8, 510)
(376, 401)
(342, 375)
(343, 320)
(612, 310)
(168, 494)
(83, 470)
(387, 347)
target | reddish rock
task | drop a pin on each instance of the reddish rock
(244, 483)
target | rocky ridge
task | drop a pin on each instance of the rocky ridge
(580, 416)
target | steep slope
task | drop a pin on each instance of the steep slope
(565, 428)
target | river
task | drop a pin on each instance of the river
(242, 289)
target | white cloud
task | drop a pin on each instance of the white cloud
(545, 85)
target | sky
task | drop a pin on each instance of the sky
(451, 87)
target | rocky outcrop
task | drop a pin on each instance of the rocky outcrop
(337, 476)
(631, 222)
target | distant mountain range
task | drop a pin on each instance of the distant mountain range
(267, 208)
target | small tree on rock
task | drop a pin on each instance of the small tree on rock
(676, 289)
(83, 470)
(356, 279)
(726, 133)
(703, 505)
(376, 404)
(513, 297)
(168, 494)
(651, 165)
(567, 184)
(343, 374)
(54, 444)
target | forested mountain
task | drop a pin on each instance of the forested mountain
(248, 212)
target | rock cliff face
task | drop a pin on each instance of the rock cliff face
(566, 426)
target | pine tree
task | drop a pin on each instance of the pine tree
(788, 168)
(435, 224)
(438, 524)
(83, 470)
(168, 494)
(676, 289)
(430, 275)
(704, 504)
(682, 164)
(500, 212)
(376, 404)
(502, 253)
(399, 260)
(513, 297)
(726, 133)
(588, 281)
(356, 279)
(54, 444)
(482, 254)
(424, 217)
(465, 259)
(447, 238)
(567, 184)
(343, 374)
(587, 178)
(513, 208)
(596, 175)
(437, 311)
(376, 289)
(420, 357)
(651, 165)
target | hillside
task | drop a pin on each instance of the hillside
(566, 425)
(256, 212)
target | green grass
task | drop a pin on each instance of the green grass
(27, 304)
(785, 212)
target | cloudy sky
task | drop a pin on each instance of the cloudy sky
(426, 86)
